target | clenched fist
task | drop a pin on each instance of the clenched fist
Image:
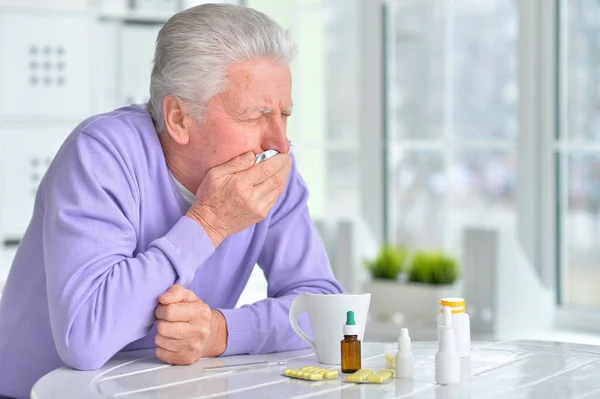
(187, 328)
(238, 194)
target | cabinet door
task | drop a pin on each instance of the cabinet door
(25, 154)
(191, 3)
(63, 5)
(136, 55)
(48, 76)
(155, 5)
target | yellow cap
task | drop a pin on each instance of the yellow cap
(458, 305)
(452, 302)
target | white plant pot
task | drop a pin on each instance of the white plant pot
(417, 303)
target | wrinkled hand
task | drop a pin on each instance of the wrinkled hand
(238, 194)
(187, 328)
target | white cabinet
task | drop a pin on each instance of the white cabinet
(155, 5)
(63, 5)
(135, 62)
(191, 3)
(25, 154)
(112, 6)
(8, 250)
(48, 75)
(104, 60)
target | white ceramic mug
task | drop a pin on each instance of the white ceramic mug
(327, 314)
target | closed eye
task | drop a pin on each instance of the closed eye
(287, 111)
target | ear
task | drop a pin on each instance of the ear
(177, 122)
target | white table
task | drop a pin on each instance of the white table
(519, 369)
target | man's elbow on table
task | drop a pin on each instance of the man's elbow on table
(83, 358)
(83, 351)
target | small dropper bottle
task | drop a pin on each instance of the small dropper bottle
(447, 360)
(350, 345)
(405, 362)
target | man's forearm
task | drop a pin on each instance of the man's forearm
(218, 342)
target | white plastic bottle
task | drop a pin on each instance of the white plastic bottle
(447, 360)
(405, 361)
(461, 323)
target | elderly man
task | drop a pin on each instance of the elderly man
(150, 220)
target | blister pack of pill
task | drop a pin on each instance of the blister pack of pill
(368, 376)
(311, 373)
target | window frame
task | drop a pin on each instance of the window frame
(568, 316)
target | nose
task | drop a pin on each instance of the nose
(274, 137)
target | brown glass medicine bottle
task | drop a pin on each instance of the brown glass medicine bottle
(350, 345)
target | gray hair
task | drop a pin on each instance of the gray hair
(196, 46)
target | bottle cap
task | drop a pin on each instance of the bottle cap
(350, 318)
(458, 305)
(350, 328)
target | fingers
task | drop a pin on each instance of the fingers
(226, 204)
(182, 358)
(267, 169)
(175, 312)
(170, 344)
(179, 345)
(183, 342)
(196, 311)
(175, 329)
(262, 197)
(274, 185)
(177, 293)
(237, 164)
(199, 324)
(269, 202)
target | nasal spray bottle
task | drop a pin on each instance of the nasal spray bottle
(447, 360)
(460, 322)
(405, 362)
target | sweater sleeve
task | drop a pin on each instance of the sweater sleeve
(101, 293)
(294, 260)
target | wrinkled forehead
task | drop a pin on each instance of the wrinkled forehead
(259, 84)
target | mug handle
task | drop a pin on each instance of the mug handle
(298, 307)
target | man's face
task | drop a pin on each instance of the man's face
(251, 115)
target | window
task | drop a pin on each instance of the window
(493, 118)
(452, 118)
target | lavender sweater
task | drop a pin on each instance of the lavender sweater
(108, 235)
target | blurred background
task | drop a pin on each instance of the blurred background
(451, 148)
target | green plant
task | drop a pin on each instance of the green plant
(433, 268)
(389, 262)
